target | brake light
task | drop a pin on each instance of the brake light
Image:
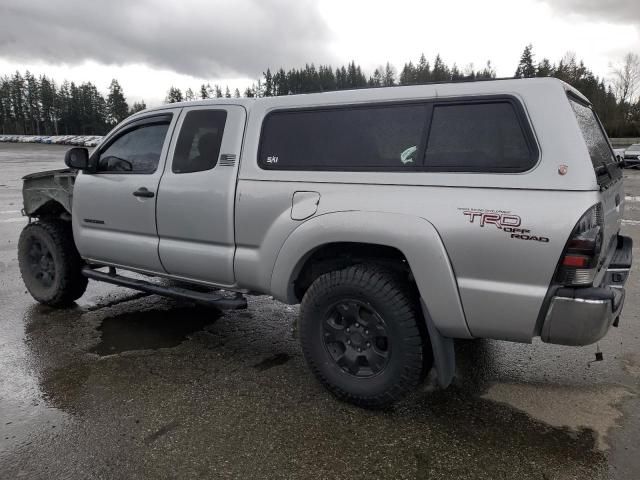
(579, 262)
(574, 261)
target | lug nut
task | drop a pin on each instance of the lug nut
(348, 342)
(348, 330)
(357, 325)
(368, 344)
(366, 332)
(359, 349)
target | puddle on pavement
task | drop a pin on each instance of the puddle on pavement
(556, 405)
(152, 329)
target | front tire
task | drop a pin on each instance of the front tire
(50, 265)
(363, 337)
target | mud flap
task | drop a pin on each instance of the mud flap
(444, 356)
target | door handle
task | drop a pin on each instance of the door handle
(143, 192)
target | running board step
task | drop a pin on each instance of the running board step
(238, 302)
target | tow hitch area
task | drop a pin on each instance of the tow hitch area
(235, 301)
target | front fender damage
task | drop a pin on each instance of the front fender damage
(42, 189)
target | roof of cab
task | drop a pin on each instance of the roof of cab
(429, 90)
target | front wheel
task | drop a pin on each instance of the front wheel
(363, 337)
(50, 265)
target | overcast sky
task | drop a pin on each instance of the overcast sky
(149, 45)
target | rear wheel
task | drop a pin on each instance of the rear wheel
(362, 335)
(50, 265)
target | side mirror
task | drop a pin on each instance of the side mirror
(78, 158)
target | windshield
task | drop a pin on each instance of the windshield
(596, 141)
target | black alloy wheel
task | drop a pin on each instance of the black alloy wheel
(50, 264)
(41, 264)
(363, 334)
(356, 338)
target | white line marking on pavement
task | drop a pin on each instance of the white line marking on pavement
(631, 222)
(9, 211)
(632, 198)
(14, 220)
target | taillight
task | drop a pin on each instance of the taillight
(579, 262)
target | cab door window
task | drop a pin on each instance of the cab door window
(135, 151)
(198, 146)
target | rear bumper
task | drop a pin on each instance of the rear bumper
(581, 316)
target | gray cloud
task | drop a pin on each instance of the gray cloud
(619, 11)
(204, 38)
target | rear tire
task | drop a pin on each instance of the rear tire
(363, 337)
(50, 264)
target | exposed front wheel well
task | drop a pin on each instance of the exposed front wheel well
(51, 210)
(340, 255)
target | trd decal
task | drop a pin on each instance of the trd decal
(497, 219)
(502, 220)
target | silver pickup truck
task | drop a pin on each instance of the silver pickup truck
(399, 218)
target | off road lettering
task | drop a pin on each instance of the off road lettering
(530, 237)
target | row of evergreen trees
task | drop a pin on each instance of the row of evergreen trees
(30, 105)
(620, 113)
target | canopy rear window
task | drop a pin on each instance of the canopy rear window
(604, 163)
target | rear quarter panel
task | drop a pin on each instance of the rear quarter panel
(502, 281)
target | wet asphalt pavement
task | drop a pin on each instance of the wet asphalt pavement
(129, 385)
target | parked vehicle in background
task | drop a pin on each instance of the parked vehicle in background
(80, 140)
(92, 141)
(399, 218)
(632, 156)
